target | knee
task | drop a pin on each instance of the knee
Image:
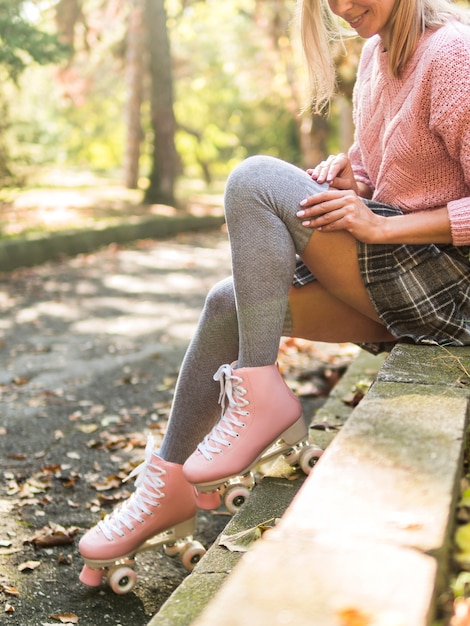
(248, 175)
(221, 299)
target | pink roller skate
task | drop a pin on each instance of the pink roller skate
(263, 420)
(160, 513)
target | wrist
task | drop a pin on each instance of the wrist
(380, 231)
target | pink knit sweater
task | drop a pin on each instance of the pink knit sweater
(412, 143)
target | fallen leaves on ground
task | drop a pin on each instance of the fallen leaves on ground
(65, 618)
(354, 617)
(243, 540)
(53, 535)
(29, 566)
(9, 590)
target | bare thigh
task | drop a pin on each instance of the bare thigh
(336, 307)
(317, 315)
(332, 258)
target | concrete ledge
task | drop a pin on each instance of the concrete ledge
(26, 252)
(367, 536)
(269, 499)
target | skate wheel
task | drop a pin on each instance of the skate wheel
(308, 458)
(172, 549)
(122, 579)
(91, 577)
(192, 554)
(292, 456)
(235, 498)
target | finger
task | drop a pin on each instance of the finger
(321, 171)
(330, 220)
(318, 198)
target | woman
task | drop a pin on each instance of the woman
(384, 238)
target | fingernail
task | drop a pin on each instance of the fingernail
(303, 202)
(300, 213)
(306, 223)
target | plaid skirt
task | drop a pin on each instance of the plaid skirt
(421, 292)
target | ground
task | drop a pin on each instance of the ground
(91, 347)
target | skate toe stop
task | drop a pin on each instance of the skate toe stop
(91, 577)
(208, 501)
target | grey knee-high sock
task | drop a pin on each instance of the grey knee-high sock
(262, 197)
(195, 406)
(261, 200)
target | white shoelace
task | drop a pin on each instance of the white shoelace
(231, 391)
(139, 501)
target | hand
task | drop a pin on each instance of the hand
(338, 209)
(337, 171)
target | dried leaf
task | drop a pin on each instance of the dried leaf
(111, 482)
(242, 541)
(354, 617)
(87, 428)
(54, 535)
(29, 566)
(64, 559)
(10, 591)
(65, 618)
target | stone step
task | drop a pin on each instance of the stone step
(366, 539)
(269, 499)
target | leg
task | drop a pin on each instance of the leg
(195, 406)
(332, 258)
(163, 498)
(262, 198)
(317, 315)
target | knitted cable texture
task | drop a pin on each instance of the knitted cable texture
(412, 143)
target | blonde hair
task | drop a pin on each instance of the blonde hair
(320, 30)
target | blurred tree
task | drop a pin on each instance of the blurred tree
(22, 42)
(135, 69)
(164, 156)
(231, 87)
(68, 14)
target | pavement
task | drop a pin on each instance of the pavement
(90, 347)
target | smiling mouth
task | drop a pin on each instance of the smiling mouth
(356, 21)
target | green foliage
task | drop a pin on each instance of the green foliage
(22, 41)
(235, 84)
(227, 89)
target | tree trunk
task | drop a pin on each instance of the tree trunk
(164, 157)
(135, 51)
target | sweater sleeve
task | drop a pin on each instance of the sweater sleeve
(354, 153)
(450, 120)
